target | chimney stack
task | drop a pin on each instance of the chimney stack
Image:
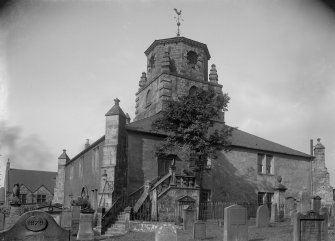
(87, 144)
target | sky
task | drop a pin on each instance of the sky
(62, 63)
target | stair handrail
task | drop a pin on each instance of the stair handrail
(111, 214)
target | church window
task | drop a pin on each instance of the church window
(192, 57)
(192, 90)
(71, 172)
(269, 164)
(265, 164)
(260, 158)
(80, 167)
(148, 99)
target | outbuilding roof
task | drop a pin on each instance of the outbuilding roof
(32, 179)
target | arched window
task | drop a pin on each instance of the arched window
(148, 98)
(192, 90)
(192, 57)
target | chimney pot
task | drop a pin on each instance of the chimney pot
(87, 144)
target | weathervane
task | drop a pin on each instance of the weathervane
(178, 19)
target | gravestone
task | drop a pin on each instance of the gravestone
(166, 232)
(14, 215)
(293, 213)
(85, 231)
(305, 202)
(312, 226)
(262, 216)
(35, 225)
(235, 223)
(75, 220)
(324, 210)
(2, 221)
(66, 219)
(274, 213)
(199, 230)
(188, 218)
(316, 203)
(289, 205)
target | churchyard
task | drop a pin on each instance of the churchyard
(235, 226)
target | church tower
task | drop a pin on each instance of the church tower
(175, 67)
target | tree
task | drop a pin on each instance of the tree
(190, 126)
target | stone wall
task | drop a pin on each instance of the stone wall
(84, 170)
(234, 175)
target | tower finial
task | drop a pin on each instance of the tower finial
(178, 19)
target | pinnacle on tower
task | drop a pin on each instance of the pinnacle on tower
(116, 110)
(213, 75)
(143, 79)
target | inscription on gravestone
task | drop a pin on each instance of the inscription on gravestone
(310, 227)
(166, 232)
(311, 230)
(33, 226)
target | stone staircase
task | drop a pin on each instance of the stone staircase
(118, 227)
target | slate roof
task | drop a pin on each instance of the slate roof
(177, 40)
(32, 179)
(239, 138)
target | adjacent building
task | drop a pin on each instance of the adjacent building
(36, 187)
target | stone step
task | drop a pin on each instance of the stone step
(118, 225)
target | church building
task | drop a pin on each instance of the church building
(123, 163)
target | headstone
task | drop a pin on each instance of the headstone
(14, 215)
(75, 219)
(262, 216)
(274, 213)
(289, 205)
(166, 232)
(305, 202)
(316, 203)
(66, 219)
(35, 225)
(235, 223)
(311, 226)
(293, 213)
(2, 221)
(188, 218)
(324, 210)
(85, 231)
(199, 230)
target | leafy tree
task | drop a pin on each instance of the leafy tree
(190, 126)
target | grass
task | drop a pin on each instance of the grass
(275, 232)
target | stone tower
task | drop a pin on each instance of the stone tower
(175, 67)
(112, 171)
(321, 184)
(60, 179)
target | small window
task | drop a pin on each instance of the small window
(260, 196)
(41, 199)
(23, 198)
(205, 195)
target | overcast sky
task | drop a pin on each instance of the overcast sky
(63, 62)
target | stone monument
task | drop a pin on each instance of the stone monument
(235, 223)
